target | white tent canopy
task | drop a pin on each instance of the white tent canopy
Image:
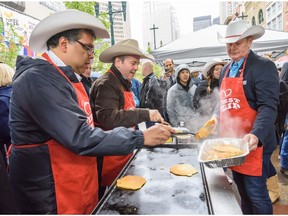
(203, 45)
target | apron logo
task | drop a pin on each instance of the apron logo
(228, 103)
(88, 112)
(225, 93)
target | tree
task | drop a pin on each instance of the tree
(8, 48)
(100, 44)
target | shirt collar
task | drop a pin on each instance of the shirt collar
(56, 60)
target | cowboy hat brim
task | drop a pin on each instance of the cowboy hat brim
(255, 31)
(62, 21)
(209, 65)
(121, 50)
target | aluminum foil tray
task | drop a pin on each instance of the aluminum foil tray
(226, 162)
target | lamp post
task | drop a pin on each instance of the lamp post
(111, 12)
(153, 29)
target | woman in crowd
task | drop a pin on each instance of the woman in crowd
(180, 98)
(206, 95)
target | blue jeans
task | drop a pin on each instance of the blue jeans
(253, 190)
(284, 151)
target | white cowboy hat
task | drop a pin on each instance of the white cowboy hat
(238, 30)
(195, 69)
(122, 48)
(209, 65)
(62, 21)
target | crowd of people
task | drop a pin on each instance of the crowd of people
(71, 136)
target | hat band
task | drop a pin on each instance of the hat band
(232, 36)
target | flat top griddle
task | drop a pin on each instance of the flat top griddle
(163, 193)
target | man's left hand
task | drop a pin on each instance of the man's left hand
(252, 140)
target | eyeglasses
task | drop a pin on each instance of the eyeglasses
(88, 49)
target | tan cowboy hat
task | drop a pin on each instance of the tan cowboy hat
(238, 30)
(209, 65)
(124, 47)
(62, 21)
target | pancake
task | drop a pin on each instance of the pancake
(228, 149)
(183, 170)
(131, 182)
(223, 151)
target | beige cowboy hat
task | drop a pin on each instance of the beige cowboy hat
(62, 21)
(124, 47)
(237, 30)
(195, 70)
(210, 64)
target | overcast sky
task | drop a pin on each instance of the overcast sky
(185, 10)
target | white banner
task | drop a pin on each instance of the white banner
(21, 24)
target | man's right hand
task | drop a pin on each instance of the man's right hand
(157, 134)
(155, 116)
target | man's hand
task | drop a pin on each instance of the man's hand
(155, 116)
(157, 134)
(252, 140)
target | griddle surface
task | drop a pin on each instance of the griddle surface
(163, 193)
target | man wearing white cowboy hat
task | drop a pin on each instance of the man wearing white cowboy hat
(249, 91)
(53, 166)
(112, 101)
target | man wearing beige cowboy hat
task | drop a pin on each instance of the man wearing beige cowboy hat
(53, 166)
(112, 101)
(249, 91)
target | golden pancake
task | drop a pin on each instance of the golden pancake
(131, 182)
(222, 151)
(183, 170)
(228, 149)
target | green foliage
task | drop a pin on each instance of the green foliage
(8, 54)
(100, 44)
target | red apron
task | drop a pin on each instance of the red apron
(75, 177)
(112, 165)
(237, 118)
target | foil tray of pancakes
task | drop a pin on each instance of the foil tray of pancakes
(223, 152)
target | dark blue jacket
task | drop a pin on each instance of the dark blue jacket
(5, 93)
(262, 93)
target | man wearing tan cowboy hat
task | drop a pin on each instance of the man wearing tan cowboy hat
(112, 101)
(53, 166)
(249, 91)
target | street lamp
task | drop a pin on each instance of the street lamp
(111, 12)
(154, 28)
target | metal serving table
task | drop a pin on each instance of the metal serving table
(207, 192)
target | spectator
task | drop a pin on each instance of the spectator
(180, 99)
(151, 95)
(206, 95)
(86, 79)
(136, 88)
(166, 82)
(196, 75)
(8, 205)
(6, 75)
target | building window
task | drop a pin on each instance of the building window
(260, 16)
(253, 21)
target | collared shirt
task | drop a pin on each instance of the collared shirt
(235, 67)
(56, 60)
